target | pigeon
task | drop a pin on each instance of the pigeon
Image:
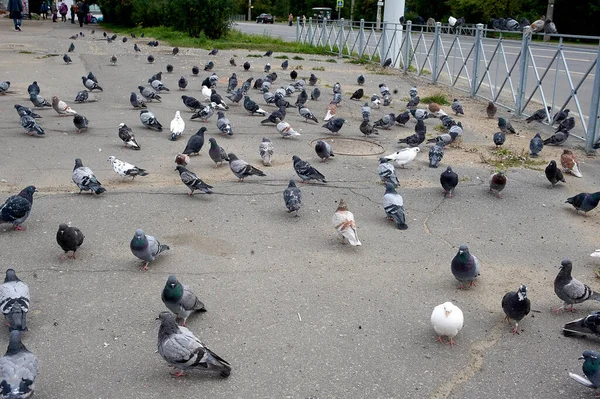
(246, 66)
(175, 50)
(312, 80)
(566, 125)
(539, 115)
(416, 139)
(315, 94)
(386, 122)
(506, 127)
(39, 101)
(307, 114)
(267, 68)
(214, 51)
(387, 63)
(61, 107)
(293, 74)
(549, 27)
(275, 117)
(80, 122)
(413, 92)
(177, 126)
(14, 301)
(236, 96)
(413, 102)
(232, 83)
(136, 100)
(195, 70)
(387, 172)
(435, 109)
(126, 134)
(90, 84)
(18, 369)
(217, 99)
(280, 102)
(182, 350)
(195, 143)
(436, 153)
(465, 267)
(284, 65)
(302, 98)
(447, 320)
(32, 88)
(16, 209)
(330, 111)
(553, 174)
(268, 53)
(5, 85)
(136, 48)
(419, 113)
(292, 197)
(334, 125)
(169, 68)
(150, 58)
(404, 156)
(192, 103)
(22, 110)
(491, 109)
(71, 48)
(457, 107)
(570, 164)
(158, 86)
(589, 324)
(557, 138)
(497, 183)
(345, 225)
(366, 129)
(85, 179)
(265, 149)
(590, 367)
(337, 98)
(403, 117)
(92, 77)
(360, 80)
(205, 113)
(253, 107)
(180, 299)
(209, 66)
(30, 125)
(393, 205)
(193, 182)
(449, 181)
(241, 168)
(535, 145)
(182, 159)
(82, 96)
(146, 247)
(182, 83)
(216, 153)
(113, 59)
(584, 201)
(286, 130)
(323, 150)
(570, 290)
(123, 168)
(149, 94)
(69, 239)
(446, 138)
(499, 139)
(223, 124)
(366, 112)
(357, 95)
(67, 59)
(149, 120)
(516, 306)
(305, 171)
(124, 40)
(561, 116)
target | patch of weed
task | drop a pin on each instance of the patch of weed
(505, 158)
(25, 52)
(297, 58)
(282, 57)
(332, 60)
(438, 98)
(318, 68)
(254, 55)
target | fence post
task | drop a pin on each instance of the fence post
(476, 55)
(383, 44)
(341, 38)
(523, 66)
(361, 38)
(407, 42)
(297, 29)
(323, 32)
(594, 121)
(436, 46)
(309, 34)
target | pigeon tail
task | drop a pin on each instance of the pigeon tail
(162, 247)
(17, 318)
(217, 364)
(96, 188)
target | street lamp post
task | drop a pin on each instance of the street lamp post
(249, 10)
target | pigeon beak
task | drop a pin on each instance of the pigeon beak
(461, 251)
(172, 285)
(581, 358)
(447, 313)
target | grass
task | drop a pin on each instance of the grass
(440, 128)
(233, 40)
(504, 158)
(48, 56)
(318, 68)
(331, 60)
(438, 98)
(359, 61)
(25, 52)
(282, 57)
(297, 58)
(254, 55)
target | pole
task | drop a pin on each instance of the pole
(523, 67)
(476, 55)
(594, 122)
(550, 10)
(378, 25)
(249, 10)
(351, 11)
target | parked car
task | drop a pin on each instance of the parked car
(265, 19)
(95, 14)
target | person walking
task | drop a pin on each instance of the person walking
(81, 14)
(290, 20)
(73, 11)
(15, 8)
(63, 9)
(44, 10)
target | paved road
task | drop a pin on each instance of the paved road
(296, 313)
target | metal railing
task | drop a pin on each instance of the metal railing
(508, 68)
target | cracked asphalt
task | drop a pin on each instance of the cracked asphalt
(296, 313)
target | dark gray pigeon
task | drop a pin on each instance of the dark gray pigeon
(69, 239)
(535, 145)
(192, 103)
(14, 301)
(570, 290)
(305, 171)
(193, 182)
(360, 80)
(275, 117)
(82, 96)
(180, 299)
(566, 125)
(323, 150)
(403, 117)
(213, 51)
(146, 247)
(557, 138)
(195, 143)
(169, 68)
(584, 202)
(67, 59)
(137, 101)
(307, 114)
(436, 153)
(126, 134)
(22, 110)
(315, 94)
(386, 122)
(71, 48)
(561, 116)
(92, 77)
(16, 209)
(366, 129)
(136, 48)
(393, 205)
(150, 58)
(302, 98)
(182, 83)
(31, 126)
(253, 107)
(90, 84)
(18, 369)
(449, 181)
(182, 350)
(499, 138)
(292, 197)
(589, 324)
(284, 65)
(80, 122)
(241, 168)
(149, 120)
(233, 82)
(553, 174)
(149, 94)
(217, 153)
(387, 172)
(357, 95)
(85, 179)
(39, 101)
(312, 80)
(516, 306)
(465, 267)
(195, 70)
(506, 127)
(209, 66)
(32, 88)
(417, 138)
(334, 125)
(539, 115)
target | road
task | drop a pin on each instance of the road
(296, 313)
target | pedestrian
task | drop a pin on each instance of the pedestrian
(290, 20)
(15, 8)
(63, 9)
(73, 12)
(81, 14)
(303, 20)
(86, 12)
(44, 10)
(54, 14)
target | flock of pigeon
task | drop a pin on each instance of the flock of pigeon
(176, 344)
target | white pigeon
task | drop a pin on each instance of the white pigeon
(447, 320)
(404, 156)
(206, 92)
(286, 130)
(265, 148)
(177, 126)
(343, 221)
(123, 168)
(596, 254)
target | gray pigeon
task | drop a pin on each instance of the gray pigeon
(126, 134)
(149, 94)
(67, 59)
(305, 171)
(71, 48)
(205, 113)
(266, 149)
(32, 88)
(136, 100)
(31, 126)
(236, 96)
(85, 179)
(149, 120)
(366, 112)
(5, 85)
(80, 122)
(233, 82)
(570, 290)
(146, 247)
(292, 197)
(457, 107)
(82, 96)
(393, 204)
(539, 115)
(557, 138)
(367, 129)
(182, 350)
(18, 369)
(387, 172)
(535, 145)
(14, 301)
(223, 124)
(158, 86)
(315, 94)
(584, 202)
(193, 182)
(192, 103)
(307, 114)
(22, 110)
(217, 153)
(465, 267)
(16, 209)
(38, 100)
(386, 122)
(180, 299)
(90, 84)
(323, 150)
(334, 125)
(241, 168)
(69, 238)
(195, 143)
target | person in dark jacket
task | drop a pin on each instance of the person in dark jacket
(15, 8)
(81, 14)
(73, 11)
(44, 10)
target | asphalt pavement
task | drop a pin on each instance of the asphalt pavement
(296, 313)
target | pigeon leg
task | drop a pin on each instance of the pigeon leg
(73, 256)
(516, 329)
(176, 374)
(472, 284)
(240, 180)
(462, 287)
(17, 227)
(558, 310)
(64, 256)
(145, 267)
(452, 343)
(439, 339)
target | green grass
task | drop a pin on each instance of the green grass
(359, 61)
(297, 58)
(438, 98)
(318, 68)
(331, 60)
(254, 55)
(48, 56)
(25, 52)
(440, 128)
(233, 40)
(504, 158)
(282, 57)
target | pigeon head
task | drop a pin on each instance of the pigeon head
(552, 163)
(390, 188)
(168, 324)
(292, 183)
(111, 159)
(62, 227)
(180, 169)
(27, 192)
(212, 142)
(266, 140)
(522, 292)
(139, 240)
(232, 157)
(172, 282)
(201, 131)
(296, 159)
(14, 343)
(449, 169)
(566, 266)
(589, 355)
(78, 163)
(448, 308)
(383, 160)
(463, 249)
(11, 275)
(342, 206)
